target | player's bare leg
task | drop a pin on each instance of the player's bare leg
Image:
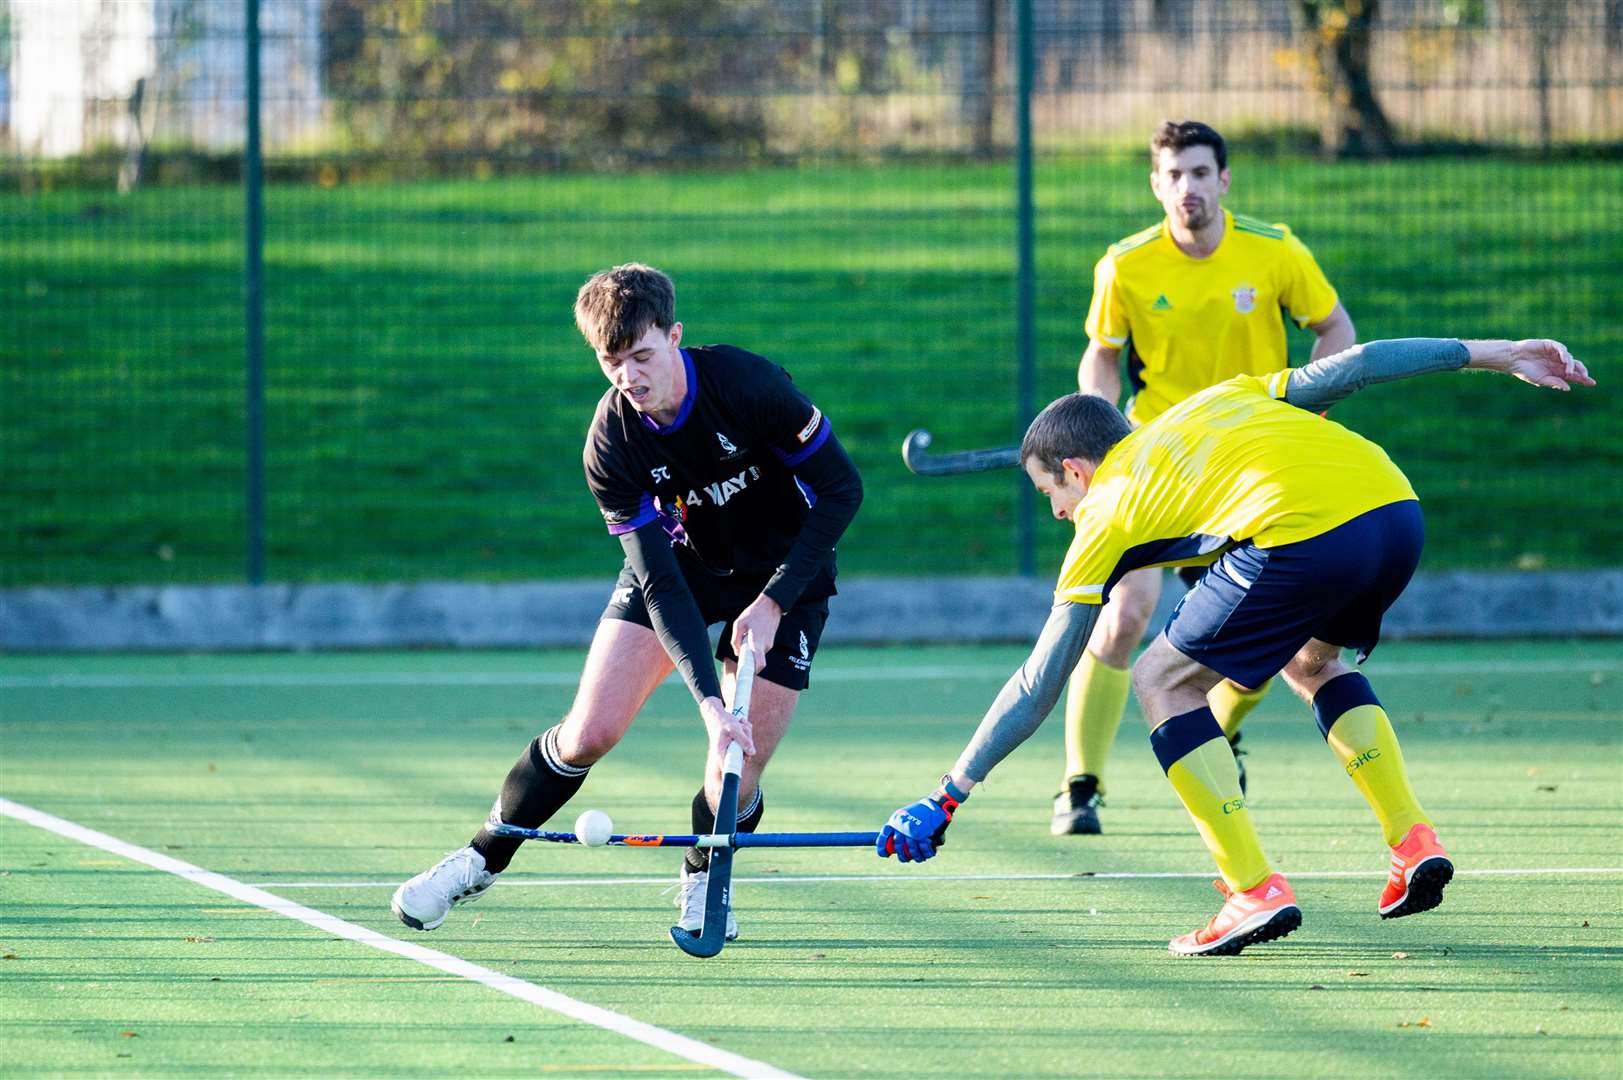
(624, 665)
(1359, 733)
(1258, 903)
(772, 707)
(1097, 698)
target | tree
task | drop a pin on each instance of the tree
(564, 80)
(1338, 36)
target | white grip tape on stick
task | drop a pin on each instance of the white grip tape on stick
(743, 683)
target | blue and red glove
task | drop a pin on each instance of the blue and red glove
(914, 832)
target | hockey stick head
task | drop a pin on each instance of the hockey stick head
(913, 450)
(709, 940)
(917, 457)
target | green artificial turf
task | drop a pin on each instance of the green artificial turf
(427, 392)
(327, 779)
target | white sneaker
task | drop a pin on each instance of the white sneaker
(691, 901)
(460, 878)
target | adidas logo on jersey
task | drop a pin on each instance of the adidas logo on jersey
(1161, 303)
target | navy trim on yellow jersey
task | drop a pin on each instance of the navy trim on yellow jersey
(1174, 549)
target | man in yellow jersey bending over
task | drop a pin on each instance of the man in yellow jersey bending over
(1193, 301)
(1308, 532)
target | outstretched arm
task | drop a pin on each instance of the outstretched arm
(1324, 382)
(1031, 692)
(914, 832)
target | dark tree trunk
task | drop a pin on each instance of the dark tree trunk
(1338, 36)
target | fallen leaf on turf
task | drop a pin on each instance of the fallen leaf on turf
(477, 919)
(818, 955)
(1316, 986)
(129, 1034)
(1585, 922)
(199, 939)
(1546, 787)
(1358, 974)
(13, 956)
(508, 1039)
(1423, 1022)
(1539, 1030)
(1400, 956)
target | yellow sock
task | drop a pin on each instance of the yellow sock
(1200, 765)
(1231, 705)
(1093, 708)
(1361, 736)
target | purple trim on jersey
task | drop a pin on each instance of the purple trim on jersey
(687, 402)
(645, 514)
(809, 449)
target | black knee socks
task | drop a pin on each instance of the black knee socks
(704, 821)
(538, 784)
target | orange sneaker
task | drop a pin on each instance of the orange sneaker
(1258, 914)
(1420, 869)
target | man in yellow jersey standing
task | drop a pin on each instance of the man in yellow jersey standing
(1192, 301)
(1309, 532)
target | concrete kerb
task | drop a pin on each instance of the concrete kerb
(1468, 604)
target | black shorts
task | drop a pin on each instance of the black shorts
(1254, 608)
(721, 600)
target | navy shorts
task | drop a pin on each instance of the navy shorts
(788, 663)
(1255, 608)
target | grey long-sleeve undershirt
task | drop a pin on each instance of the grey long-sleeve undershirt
(1322, 383)
(1031, 692)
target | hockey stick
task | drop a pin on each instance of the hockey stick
(718, 895)
(700, 840)
(916, 455)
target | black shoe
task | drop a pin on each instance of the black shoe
(1076, 809)
(1234, 745)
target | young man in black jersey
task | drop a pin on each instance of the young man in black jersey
(727, 490)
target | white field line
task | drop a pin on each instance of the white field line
(668, 1041)
(906, 878)
(938, 672)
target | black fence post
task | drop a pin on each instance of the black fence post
(1025, 300)
(253, 290)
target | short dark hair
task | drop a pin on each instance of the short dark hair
(616, 307)
(1076, 426)
(1181, 135)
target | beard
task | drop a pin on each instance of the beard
(1196, 219)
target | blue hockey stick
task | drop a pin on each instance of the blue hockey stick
(700, 840)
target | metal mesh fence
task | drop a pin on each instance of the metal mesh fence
(829, 183)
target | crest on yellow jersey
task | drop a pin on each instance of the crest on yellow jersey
(1245, 299)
